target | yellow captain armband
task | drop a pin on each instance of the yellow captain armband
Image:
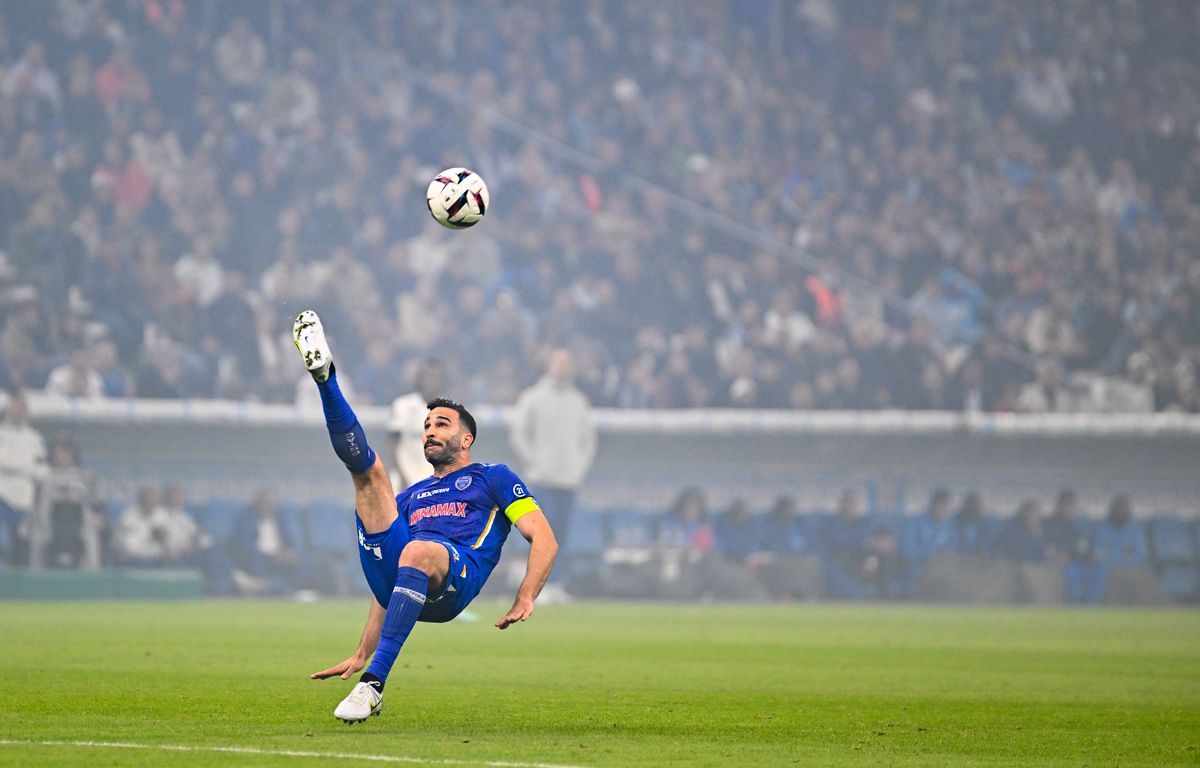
(520, 508)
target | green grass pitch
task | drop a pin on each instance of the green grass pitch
(591, 684)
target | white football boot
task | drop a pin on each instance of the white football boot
(363, 701)
(310, 340)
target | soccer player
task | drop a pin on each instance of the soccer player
(426, 552)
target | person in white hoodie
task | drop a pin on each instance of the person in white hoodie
(22, 464)
(405, 418)
(554, 436)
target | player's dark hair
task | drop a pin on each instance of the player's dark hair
(459, 408)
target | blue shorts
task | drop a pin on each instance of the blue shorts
(379, 554)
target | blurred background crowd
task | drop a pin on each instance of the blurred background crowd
(987, 206)
(873, 544)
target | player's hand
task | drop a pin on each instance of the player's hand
(521, 610)
(343, 670)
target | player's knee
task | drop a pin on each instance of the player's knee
(427, 556)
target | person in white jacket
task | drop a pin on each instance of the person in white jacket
(405, 418)
(22, 465)
(554, 436)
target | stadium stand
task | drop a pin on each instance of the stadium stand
(980, 208)
(923, 205)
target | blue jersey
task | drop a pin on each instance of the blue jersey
(472, 508)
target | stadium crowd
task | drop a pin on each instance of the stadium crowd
(863, 549)
(986, 206)
(56, 514)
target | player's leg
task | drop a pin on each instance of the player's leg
(375, 498)
(424, 566)
(379, 554)
(463, 584)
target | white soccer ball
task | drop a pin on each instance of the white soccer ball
(457, 198)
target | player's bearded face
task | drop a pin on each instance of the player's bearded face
(444, 438)
(443, 450)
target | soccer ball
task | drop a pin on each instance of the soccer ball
(457, 198)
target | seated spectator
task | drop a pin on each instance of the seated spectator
(157, 531)
(1022, 539)
(77, 377)
(24, 338)
(781, 531)
(67, 527)
(1118, 539)
(861, 556)
(1023, 544)
(115, 380)
(1070, 540)
(736, 533)
(925, 536)
(686, 525)
(22, 464)
(972, 535)
(969, 572)
(689, 565)
(138, 537)
(262, 549)
(785, 561)
(736, 537)
(1120, 547)
(187, 543)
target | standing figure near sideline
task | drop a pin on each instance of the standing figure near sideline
(404, 424)
(22, 464)
(555, 437)
(426, 552)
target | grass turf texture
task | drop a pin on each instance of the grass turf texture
(608, 684)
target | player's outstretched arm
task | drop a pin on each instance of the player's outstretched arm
(366, 646)
(543, 548)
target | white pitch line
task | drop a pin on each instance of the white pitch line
(280, 753)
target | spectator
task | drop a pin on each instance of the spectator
(1120, 547)
(31, 79)
(405, 423)
(24, 338)
(1070, 539)
(76, 378)
(932, 532)
(157, 531)
(1022, 539)
(1119, 540)
(555, 437)
(914, 205)
(187, 544)
(115, 380)
(262, 549)
(736, 533)
(139, 537)
(241, 57)
(22, 465)
(200, 273)
(926, 536)
(972, 536)
(861, 555)
(786, 562)
(67, 526)
(686, 525)
(782, 531)
(691, 564)
(120, 83)
(1048, 392)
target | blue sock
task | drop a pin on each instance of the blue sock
(408, 600)
(346, 434)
